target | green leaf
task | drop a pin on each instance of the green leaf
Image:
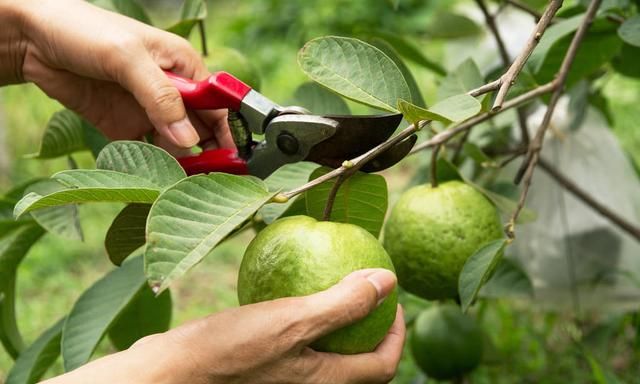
(476, 153)
(477, 270)
(62, 221)
(553, 34)
(355, 70)
(505, 204)
(361, 200)
(193, 11)
(141, 159)
(407, 50)
(38, 357)
(14, 245)
(629, 31)
(285, 178)
(189, 219)
(626, 62)
(448, 25)
(128, 8)
(91, 186)
(127, 232)
(145, 315)
(320, 100)
(94, 139)
(387, 49)
(461, 80)
(96, 309)
(132, 9)
(507, 281)
(455, 108)
(64, 134)
(596, 50)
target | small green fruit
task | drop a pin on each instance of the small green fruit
(445, 343)
(298, 256)
(431, 233)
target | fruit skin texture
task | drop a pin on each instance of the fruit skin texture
(298, 256)
(431, 233)
(445, 343)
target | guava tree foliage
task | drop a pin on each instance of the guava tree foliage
(171, 221)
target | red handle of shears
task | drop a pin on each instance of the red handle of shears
(218, 91)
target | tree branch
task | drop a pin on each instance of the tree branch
(589, 200)
(533, 154)
(509, 77)
(331, 198)
(434, 166)
(470, 123)
(491, 23)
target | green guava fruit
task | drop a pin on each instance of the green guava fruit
(298, 256)
(232, 61)
(431, 232)
(445, 343)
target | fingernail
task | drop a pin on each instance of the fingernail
(184, 133)
(384, 281)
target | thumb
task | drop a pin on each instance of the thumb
(350, 300)
(161, 101)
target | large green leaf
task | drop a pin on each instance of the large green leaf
(96, 309)
(455, 108)
(477, 270)
(91, 186)
(127, 232)
(285, 178)
(62, 221)
(598, 48)
(319, 100)
(416, 95)
(465, 77)
(189, 219)
(193, 12)
(626, 62)
(14, 245)
(145, 315)
(141, 159)
(356, 70)
(38, 357)
(449, 25)
(629, 31)
(64, 134)
(361, 200)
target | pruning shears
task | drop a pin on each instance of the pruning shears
(290, 134)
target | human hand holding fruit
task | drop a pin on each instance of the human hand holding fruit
(262, 343)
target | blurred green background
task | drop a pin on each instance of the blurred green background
(526, 344)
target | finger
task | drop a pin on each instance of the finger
(161, 101)
(345, 303)
(390, 349)
(379, 366)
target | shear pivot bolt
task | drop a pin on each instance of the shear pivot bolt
(287, 143)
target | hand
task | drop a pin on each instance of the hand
(262, 343)
(109, 69)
